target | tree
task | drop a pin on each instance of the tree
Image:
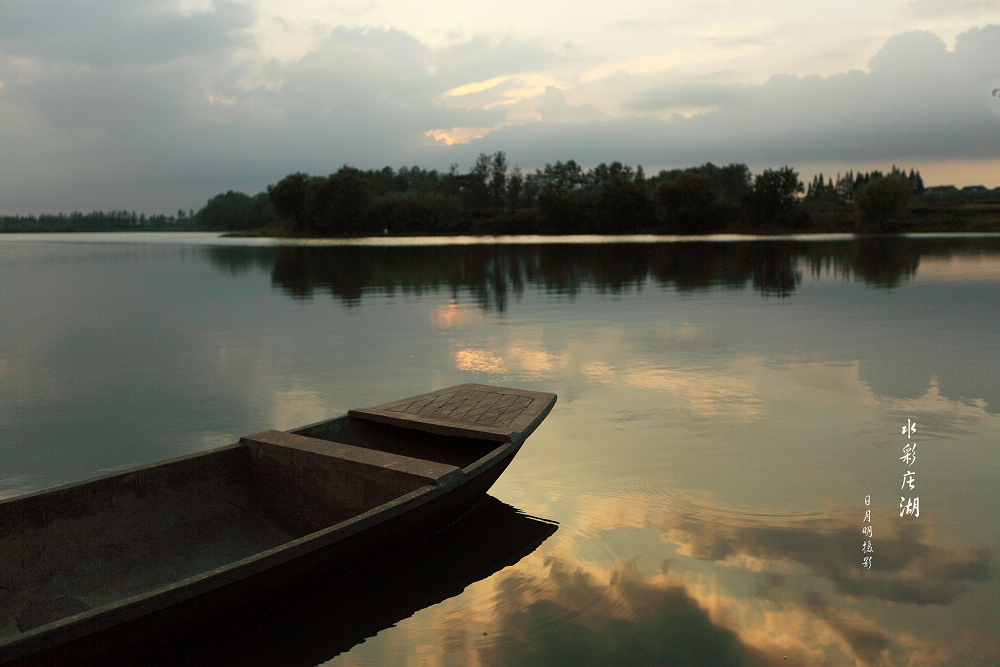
(686, 203)
(732, 182)
(881, 202)
(497, 188)
(774, 195)
(607, 173)
(475, 192)
(515, 184)
(559, 196)
(233, 211)
(288, 199)
(622, 206)
(334, 205)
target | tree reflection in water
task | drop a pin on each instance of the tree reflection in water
(495, 272)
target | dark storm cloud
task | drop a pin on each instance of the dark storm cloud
(100, 99)
(105, 33)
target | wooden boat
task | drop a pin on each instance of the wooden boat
(194, 537)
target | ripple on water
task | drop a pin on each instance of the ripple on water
(703, 506)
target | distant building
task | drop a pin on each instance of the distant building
(938, 190)
(974, 188)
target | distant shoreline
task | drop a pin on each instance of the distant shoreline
(208, 238)
(928, 214)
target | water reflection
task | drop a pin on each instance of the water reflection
(773, 591)
(328, 617)
(916, 568)
(884, 261)
(721, 406)
(576, 617)
(495, 274)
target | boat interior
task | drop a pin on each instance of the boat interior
(85, 545)
(448, 449)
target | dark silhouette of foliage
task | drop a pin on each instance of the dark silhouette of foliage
(561, 198)
(413, 212)
(562, 208)
(771, 200)
(730, 183)
(603, 174)
(882, 202)
(235, 211)
(844, 187)
(334, 205)
(497, 186)
(622, 206)
(95, 221)
(310, 205)
(884, 262)
(687, 204)
(515, 185)
(288, 199)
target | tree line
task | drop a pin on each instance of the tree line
(845, 186)
(565, 198)
(96, 221)
(560, 198)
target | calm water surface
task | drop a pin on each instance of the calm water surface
(697, 496)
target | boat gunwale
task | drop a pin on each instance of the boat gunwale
(96, 619)
(66, 486)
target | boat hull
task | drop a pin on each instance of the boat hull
(342, 549)
(273, 510)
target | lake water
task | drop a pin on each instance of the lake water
(697, 495)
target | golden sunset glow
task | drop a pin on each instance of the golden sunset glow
(476, 87)
(596, 598)
(457, 135)
(454, 315)
(533, 358)
(707, 393)
(950, 268)
(481, 361)
(794, 624)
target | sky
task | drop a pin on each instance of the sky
(158, 105)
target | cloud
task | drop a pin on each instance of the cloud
(650, 622)
(916, 568)
(918, 102)
(485, 58)
(684, 95)
(553, 106)
(938, 8)
(159, 105)
(104, 33)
